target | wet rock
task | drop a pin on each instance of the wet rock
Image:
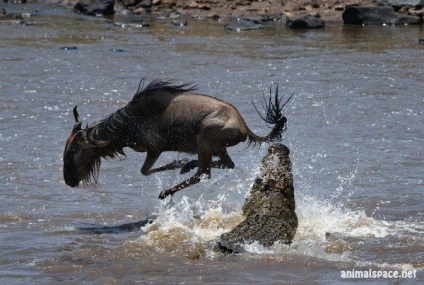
(179, 23)
(416, 11)
(305, 22)
(339, 8)
(132, 21)
(118, 50)
(137, 3)
(11, 18)
(378, 15)
(402, 3)
(174, 15)
(69, 48)
(269, 211)
(95, 7)
(272, 17)
(409, 20)
(243, 24)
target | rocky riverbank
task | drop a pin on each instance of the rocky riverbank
(262, 10)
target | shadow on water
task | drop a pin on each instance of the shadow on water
(119, 229)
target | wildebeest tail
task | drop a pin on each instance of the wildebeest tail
(274, 118)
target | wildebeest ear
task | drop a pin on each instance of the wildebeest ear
(98, 143)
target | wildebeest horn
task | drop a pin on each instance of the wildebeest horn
(77, 118)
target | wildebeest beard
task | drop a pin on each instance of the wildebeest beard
(82, 160)
(114, 129)
(92, 175)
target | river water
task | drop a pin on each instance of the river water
(355, 130)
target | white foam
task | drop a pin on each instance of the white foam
(326, 228)
(319, 217)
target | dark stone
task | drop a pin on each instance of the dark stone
(69, 48)
(179, 23)
(269, 211)
(132, 21)
(271, 17)
(305, 22)
(378, 15)
(421, 41)
(243, 24)
(409, 20)
(11, 18)
(402, 3)
(119, 50)
(95, 7)
(138, 3)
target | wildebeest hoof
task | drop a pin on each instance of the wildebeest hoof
(163, 195)
(181, 162)
(188, 166)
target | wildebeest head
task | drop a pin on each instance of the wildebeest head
(81, 159)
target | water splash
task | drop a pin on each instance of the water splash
(327, 231)
(178, 229)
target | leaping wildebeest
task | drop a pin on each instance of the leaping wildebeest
(162, 117)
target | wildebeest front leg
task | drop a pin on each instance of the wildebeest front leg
(224, 161)
(172, 165)
(151, 159)
(192, 164)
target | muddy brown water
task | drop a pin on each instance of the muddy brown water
(355, 132)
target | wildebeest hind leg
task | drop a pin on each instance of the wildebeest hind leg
(224, 161)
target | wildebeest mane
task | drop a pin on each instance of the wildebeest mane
(113, 128)
(159, 85)
(118, 128)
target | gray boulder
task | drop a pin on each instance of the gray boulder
(305, 22)
(138, 3)
(243, 24)
(377, 15)
(401, 3)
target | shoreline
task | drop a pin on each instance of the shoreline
(297, 14)
(328, 10)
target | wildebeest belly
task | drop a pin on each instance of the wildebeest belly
(179, 136)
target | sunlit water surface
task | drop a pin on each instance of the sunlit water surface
(355, 132)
